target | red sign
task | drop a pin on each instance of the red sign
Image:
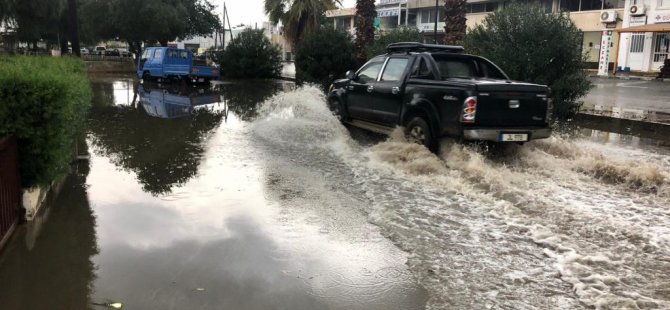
(662, 17)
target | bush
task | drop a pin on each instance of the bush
(532, 46)
(324, 55)
(44, 104)
(402, 34)
(251, 55)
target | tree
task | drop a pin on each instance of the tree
(530, 45)
(324, 55)
(251, 55)
(299, 17)
(454, 28)
(365, 31)
(137, 21)
(402, 34)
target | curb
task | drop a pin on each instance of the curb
(634, 78)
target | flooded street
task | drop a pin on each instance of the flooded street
(251, 195)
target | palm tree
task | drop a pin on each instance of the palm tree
(365, 31)
(298, 16)
(454, 28)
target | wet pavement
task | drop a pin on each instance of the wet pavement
(647, 101)
(251, 195)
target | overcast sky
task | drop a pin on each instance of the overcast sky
(251, 11)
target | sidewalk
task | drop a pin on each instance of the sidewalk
(637, 76)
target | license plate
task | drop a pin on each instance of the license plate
(201, 80)
(514, 137)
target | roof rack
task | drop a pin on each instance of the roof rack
(420, 47)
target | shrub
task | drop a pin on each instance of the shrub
(251, 55)
(402, 34)
(44, 104)
(532, 46)
(324, 55)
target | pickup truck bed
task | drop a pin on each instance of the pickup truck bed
(435, 91)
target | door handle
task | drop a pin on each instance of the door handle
(395, 90)
(370, 88)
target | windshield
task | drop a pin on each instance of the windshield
(467, 67)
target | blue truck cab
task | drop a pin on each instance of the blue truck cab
(167, 63)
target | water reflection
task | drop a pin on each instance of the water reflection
(244, 98)
(618, 130)
(162, 153)
(53, 268)
(178, 101)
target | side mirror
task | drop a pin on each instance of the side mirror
(350, 75)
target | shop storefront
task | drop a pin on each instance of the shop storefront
(645, 43)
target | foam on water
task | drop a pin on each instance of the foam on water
(556, 223)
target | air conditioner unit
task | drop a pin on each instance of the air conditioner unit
(637, 10)
(608, 16)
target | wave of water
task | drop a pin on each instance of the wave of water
(556, 223)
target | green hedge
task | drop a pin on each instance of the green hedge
(43, 102)
(250, 55)
(324, 55)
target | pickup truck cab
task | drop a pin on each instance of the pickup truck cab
(437, 90)
(167, 63)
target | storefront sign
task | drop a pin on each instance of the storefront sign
(661, 17)
(605, 42)
(391, 1)
(388, 12)
(637, 21)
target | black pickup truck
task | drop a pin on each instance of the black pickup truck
(437, 90)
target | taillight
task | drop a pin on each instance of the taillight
(469, 110)
(550, 110)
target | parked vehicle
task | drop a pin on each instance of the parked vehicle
(176, 64)
(123, 52)
(437, 90)
(84, 51)
(99, 50)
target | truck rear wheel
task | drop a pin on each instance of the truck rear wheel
(418, 131)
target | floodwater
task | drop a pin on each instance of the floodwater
(251, 195)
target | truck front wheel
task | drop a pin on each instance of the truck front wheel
(418, 131)
(337, 109)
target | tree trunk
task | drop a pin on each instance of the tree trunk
(365, 31)
(63, 44)
(74, 25)
(454, 28)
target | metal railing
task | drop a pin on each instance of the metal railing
(10, 188)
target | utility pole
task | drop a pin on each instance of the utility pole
(74, 25)
(223, 38)
(436, 14)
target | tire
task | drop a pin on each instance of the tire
(146, 76)
(338, 110)
(418, 131)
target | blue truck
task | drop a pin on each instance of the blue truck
(169, 63)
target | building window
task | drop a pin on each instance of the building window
(427, 16)
(637, 43)
(481, 7)
(592, 5)
(664, 3)
(614, 4)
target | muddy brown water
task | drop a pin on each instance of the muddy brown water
(250, 195)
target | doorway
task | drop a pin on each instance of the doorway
(661, 49)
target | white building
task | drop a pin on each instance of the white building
(645, 35)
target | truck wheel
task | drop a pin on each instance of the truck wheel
(146, 76)
(418, 131)
(337, 109)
